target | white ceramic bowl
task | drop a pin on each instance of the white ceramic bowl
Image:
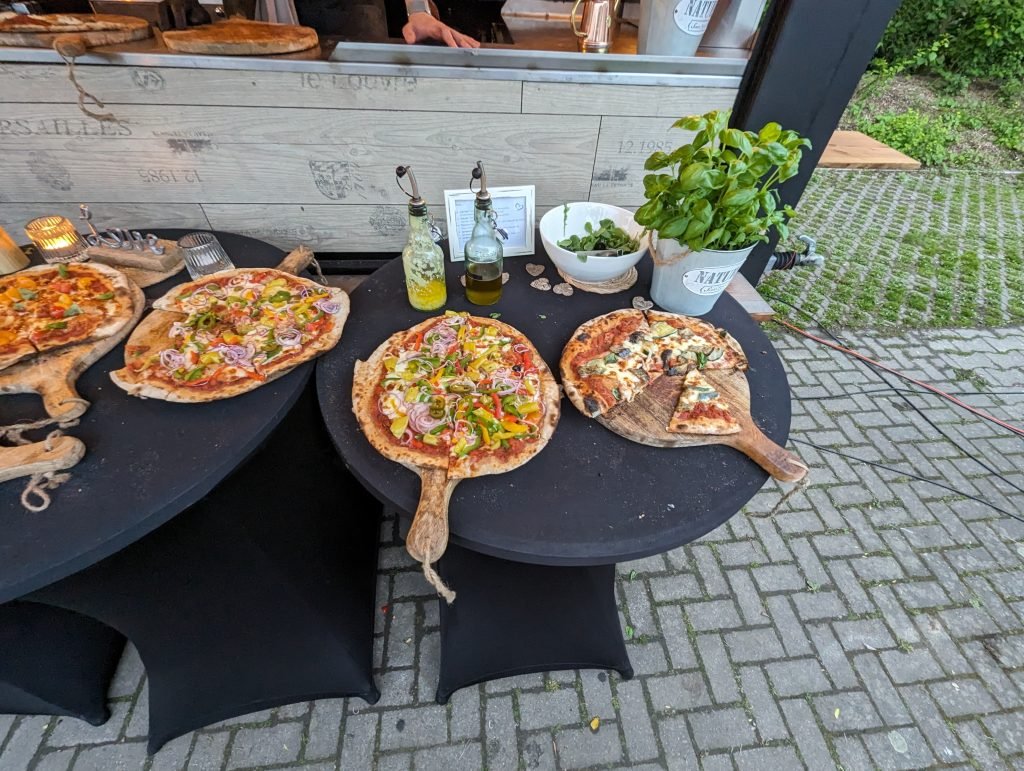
(556, 225)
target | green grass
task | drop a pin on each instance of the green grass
(923, 249)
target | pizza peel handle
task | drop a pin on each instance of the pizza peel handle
(428, 535)
(296, 260)
(777, 461)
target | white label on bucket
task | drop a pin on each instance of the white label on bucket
(692, 16)
(708, 281)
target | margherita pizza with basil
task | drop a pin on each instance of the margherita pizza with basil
(457, 391)
(229, 333)
(51, 306)
(610, 360)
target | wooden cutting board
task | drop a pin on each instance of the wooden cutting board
(238, 37)
(644, 420)
(428, 535)
(53, 375)
(127, 29)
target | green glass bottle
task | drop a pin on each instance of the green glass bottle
(483, 249)
(422, 258)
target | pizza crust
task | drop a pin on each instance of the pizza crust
(582, 342)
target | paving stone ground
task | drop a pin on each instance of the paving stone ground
(872, 621)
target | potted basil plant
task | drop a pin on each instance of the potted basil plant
(709, 202)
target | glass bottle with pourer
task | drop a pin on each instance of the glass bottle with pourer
(483, 249)
(422, 258)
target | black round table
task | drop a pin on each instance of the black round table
(189, 532)
(532, 551)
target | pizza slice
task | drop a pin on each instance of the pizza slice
(701, 409)
(685, 343)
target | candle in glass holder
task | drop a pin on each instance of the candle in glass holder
(11, 256)
(57, 239)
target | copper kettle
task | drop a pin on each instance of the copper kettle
(596, 34)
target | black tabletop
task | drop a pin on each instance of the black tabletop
(590, 497)
(146, 460)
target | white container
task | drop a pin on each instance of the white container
(691, 282)
(673, 27)
(559, 224)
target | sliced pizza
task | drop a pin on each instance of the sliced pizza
(701, 409)
(685, 343)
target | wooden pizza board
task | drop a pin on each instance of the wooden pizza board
(428, 535)
(644, 420)
(144, 268)
(52, 375)
(129, 28)
(240, 37)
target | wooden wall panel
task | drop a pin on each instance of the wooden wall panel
(14, 216)
(251, 88)
(669, 102)
(230, 149)
(622, 149)
(195, 129)
(193, 164)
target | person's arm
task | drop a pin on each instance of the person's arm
(424, 25)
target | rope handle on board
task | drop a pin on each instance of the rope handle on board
(68, 47)
(435, 580)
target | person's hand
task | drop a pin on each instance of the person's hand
(423, 26)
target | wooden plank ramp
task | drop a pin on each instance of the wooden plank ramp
(854, 150)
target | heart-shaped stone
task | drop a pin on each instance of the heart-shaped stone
(504, 278)
(563, 289)
(541, 283)
(534, 270)
(641, 304)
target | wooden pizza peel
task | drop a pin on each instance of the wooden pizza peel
(241, 37)
(427, 539)
(644, 420)
(129, 28)
(52, 376)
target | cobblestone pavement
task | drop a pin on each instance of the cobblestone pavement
(873, 621)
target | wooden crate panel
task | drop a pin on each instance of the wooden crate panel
(194, 130)
(332, 228)
(150, 171)
(249, 88)
(622, 149)
(14, 216)
(668, 102)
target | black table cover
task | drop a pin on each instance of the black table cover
(590, 497)
(146, 460)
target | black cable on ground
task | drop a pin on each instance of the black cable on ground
(903, 394)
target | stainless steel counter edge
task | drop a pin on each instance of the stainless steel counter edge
(429, 62)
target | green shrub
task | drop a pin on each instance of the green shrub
(986, 37)
(919, 136)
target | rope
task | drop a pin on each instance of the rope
(435, 580)
(789, 494)
(68, 47)
(611, 286)
(35, 497)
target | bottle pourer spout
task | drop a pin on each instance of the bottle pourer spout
(482, 194)
(415, 200)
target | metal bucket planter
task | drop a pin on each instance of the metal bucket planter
(691, 282)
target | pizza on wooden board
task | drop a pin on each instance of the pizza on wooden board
(611, 359)
(229, 333)
(65, 22)
(51, 306)
(459, 392)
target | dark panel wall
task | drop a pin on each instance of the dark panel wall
(802, 74)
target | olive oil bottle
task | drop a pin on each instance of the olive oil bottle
(483, 249)
(422, 258)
